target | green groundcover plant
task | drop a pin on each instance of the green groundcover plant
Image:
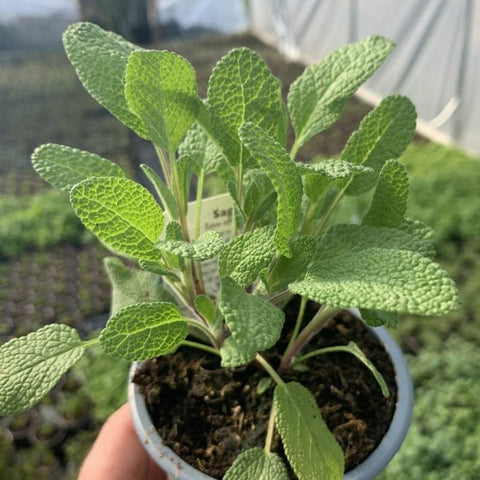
(281, 245)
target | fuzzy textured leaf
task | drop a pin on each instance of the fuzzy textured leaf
(207, 245)
(100, 59)
(259, 194)
(143, 331)
(245, 256)
(131, 286)
(121, 213)
(375, 270)
(161, 89)
(256, 464)
(317, 97)
(30, 366)
(157, 268)
(389, 202)
(287, 270)
(359, 238)
(206, 308)
(383, 134)
(332, 169)
(309, 446)
(255, 324)
(377, 318)
(286, 181)
(242, 89)
(64, 167)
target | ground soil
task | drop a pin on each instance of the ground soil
(208, 415)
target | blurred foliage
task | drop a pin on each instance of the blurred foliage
(34, 223)
(444, 439)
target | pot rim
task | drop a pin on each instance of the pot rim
(367, 470)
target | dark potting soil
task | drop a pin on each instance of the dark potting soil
(208, 415)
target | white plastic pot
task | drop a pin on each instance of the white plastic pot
(178, 469)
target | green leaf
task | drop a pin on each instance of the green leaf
(377, 318)
(158, 268)
(206, 308)
(257, 464)
(245, 256)
(30, 366)
(375, 270)
(199, 149)
(259, 194)
(242, 89)
(332, 169)
(130, 286)
(255, 324)
(100, 59)
(383, 134)
(286, 181)
(205, 247)
(64, 167)
(309, 446)
(317, 97)
(360, 237)
(162, 190)
(389, 202)
(161, 89)
(143, 331)
(287, 270)
(122, 214)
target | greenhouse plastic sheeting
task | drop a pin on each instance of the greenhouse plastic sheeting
(219, 15)
(436, 62)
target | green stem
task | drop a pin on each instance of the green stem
(270, 370)
(200, 346)
(198, 215)
(294, 150)
(164, 164)
(330, 210)
(205, 330)
(313, 327)
(352, 348)
(270, 429)
(90, 343)
(298, 324)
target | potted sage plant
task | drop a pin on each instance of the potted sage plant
(246, 340)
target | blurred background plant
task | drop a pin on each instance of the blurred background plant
(51, 269)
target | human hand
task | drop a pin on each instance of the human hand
(117, 453)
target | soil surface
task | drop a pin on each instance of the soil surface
(209, 415)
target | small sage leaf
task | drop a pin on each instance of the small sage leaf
(143, 331)
(122, 214)
(130, 286)
(161, 89)
(255, 324)
(30, 366)
(245, 256)
(100, 59)
(286, 181)
(256, 464)
(64, 167)
(309, 446)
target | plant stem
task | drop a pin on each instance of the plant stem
(330, 210)
(205, 330)
(313, 327)
(90, 343)
(200, 346)
(270, 370)
(352, 348)
(294, 150)
(164, 165)
(270, 429)
(298, 324)
(198, 215)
